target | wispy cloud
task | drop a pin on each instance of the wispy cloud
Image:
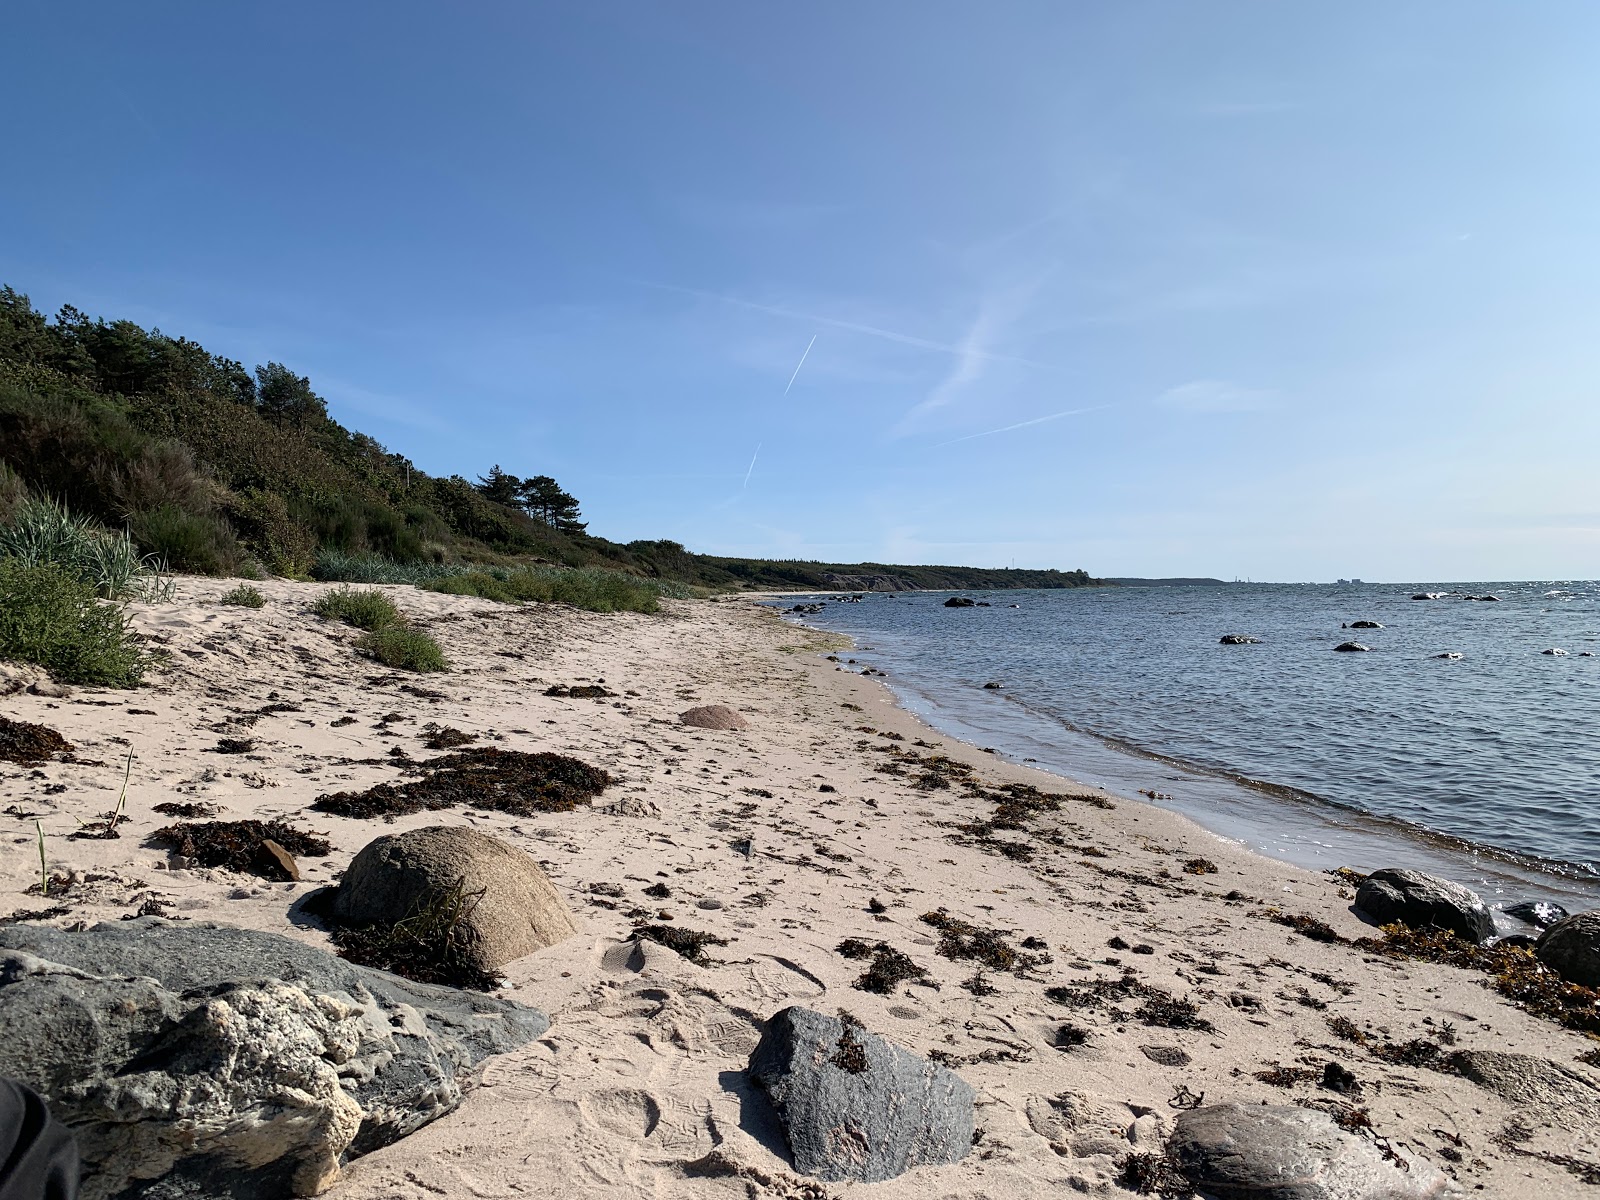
(1216, 396)
(904, 339)
(1056, 416)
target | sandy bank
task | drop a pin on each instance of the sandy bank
(779, 838)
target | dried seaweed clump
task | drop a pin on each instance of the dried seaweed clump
(849, 1054)
(509, 781)
(690, 943)
(23, 742)
(888, 970)
(237, 845)
(188, 809)
(1199, 866)
(445, 737)
(1305, 926)
(432, 944)
(581, 691)
(1160, 1008)
(960, 939)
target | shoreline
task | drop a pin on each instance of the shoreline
(776, 838)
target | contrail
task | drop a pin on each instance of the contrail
(748, 473)
(1071, 412)
(800, 364)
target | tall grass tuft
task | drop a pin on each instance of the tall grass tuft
(244, 596)
(54, 617)
(403, 648)
(587, 588)
(363, 609)
(40, 532)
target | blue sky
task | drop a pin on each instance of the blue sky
(1278, 291)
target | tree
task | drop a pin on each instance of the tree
(285, 398)
(543, 498)
(500, 487)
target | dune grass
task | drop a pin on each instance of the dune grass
(594, 590)
(364, 609)
(403, 648)
(244, 596)
(39, 532)
(52, 616)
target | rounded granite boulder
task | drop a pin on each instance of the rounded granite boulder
(1422, 901)
(1571, 948)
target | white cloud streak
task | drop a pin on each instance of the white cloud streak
(1069, 412)
(1216, 396)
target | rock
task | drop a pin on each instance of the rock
(1424, 901)
(1547, 1092)
(49, 688)
(1281, 1152)
(197, 1061)
(960, 602)
(1239, 639)
(280, 860)
(517, 912)
(991, 686)
(1430, 595)
(1451, 654)
(1542, 913)
(1571, 948)
(854, 1107)
(1351, 646)
(1555, 651)
(713, 716)
(1365, 625)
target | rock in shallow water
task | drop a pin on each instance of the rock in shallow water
(1280, 1152)
(1571, 948)
(1542, 913)
(1239, 639)
(197, 1060)
(855, 1107)
(1351, 647)
(1422, 901)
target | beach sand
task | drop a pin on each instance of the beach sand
(777, 838)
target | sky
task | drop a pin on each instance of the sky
(1282, 292)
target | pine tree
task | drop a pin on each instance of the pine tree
(543, 498)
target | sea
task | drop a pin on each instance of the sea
(1483, 767)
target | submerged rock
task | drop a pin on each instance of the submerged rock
(513, 908)
(1451, 654)
(1542, 913)
(1365, 625)
(1556, 651)
(197, 1061)
(1351, 646)
(1571, 948)
(1282, 1152)
(960, 602)
(713, 716)
(1430, 595)
(855, 1107)
(1423, 901)
(1239, 639)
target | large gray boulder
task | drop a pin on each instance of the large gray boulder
(197, 1060)
(1422, 901)
(1282, 1152)
(855, 1107)
(1549, 1093)
(512, 909)
(1571, 948)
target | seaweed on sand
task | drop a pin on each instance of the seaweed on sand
(889, 967)
(690, 943)
(445, 737)
(238, 846)
(509, 781)
(960, 939)
(188, 809)
(23, 742)
(432, 944)
(579, 691)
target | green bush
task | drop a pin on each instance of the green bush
(403, 648)
(53, 617)
(363, 609)
(244, 596)
(336, 566)
(200, 544)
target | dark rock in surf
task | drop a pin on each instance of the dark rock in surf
(1238, 1152)
(1571, 948)
(196, 1061)
(991, 686)
(1239, 639)
(1422, 901)
(854, 1107)
(1450, 654)
(1351, 647)
(1543, 913)
(1555, 651)
(960, 602)
(1430, 595)
(1365, 625)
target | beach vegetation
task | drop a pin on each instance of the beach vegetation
(403, 648)
(361, 607)
(52, 616)
(244, 596)
(591, 589)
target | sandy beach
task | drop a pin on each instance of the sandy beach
(836, 815)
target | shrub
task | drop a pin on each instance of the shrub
(13, 491)
(187, 541)
(51, 616)
(244, 596)
(363, 609)
(587, 588)
(403, 648)
(286, 546)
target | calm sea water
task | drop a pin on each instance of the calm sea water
(1485, 768)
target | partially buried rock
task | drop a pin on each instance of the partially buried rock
(202, 1062)
(1571, 948)
(510, 909)
(1351, 647)
(1239, 639)
(713, 716)
(854, 1107)
(1281, 1152)
(1422, 901)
